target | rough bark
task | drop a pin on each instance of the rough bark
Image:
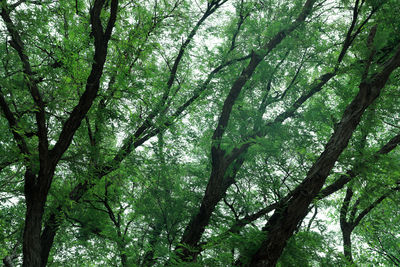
(35, 202)
(327, 191)
(47, 236)
(215, 191)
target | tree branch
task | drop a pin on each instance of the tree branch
(13, 125)
(93, 82)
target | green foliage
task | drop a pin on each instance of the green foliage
(310, 249)
(143, 155)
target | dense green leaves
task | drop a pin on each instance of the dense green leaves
(186, 133)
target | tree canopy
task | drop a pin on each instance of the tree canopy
(199, 133)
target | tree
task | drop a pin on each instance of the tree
(138, 133)
(40, 167)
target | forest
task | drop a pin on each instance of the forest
(199, 133)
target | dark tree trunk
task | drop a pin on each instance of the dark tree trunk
(347, 224)
(346, 234)
(31, 244)
(33, 222)
(123, 256)
(47, 237)
(215, 191)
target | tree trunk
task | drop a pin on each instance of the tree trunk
(31, 244)
(215, 191)
(47, 237)
(219, 181)
(346, 234)
(284, 221)
(33, 225)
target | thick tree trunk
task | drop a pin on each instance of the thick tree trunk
(33, 222)
(284, 221)
(219, 182)
(38, 182)
(31, 244)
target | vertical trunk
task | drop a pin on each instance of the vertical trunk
(36, 190)
(347, 225)
(33, 224)
(31, 244)
(47, 237)
(346, 234)
(124, 260)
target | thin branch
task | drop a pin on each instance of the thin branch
(31, 82)
(345, 207)
(13, 125)
(374, 205)
(312, 218)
